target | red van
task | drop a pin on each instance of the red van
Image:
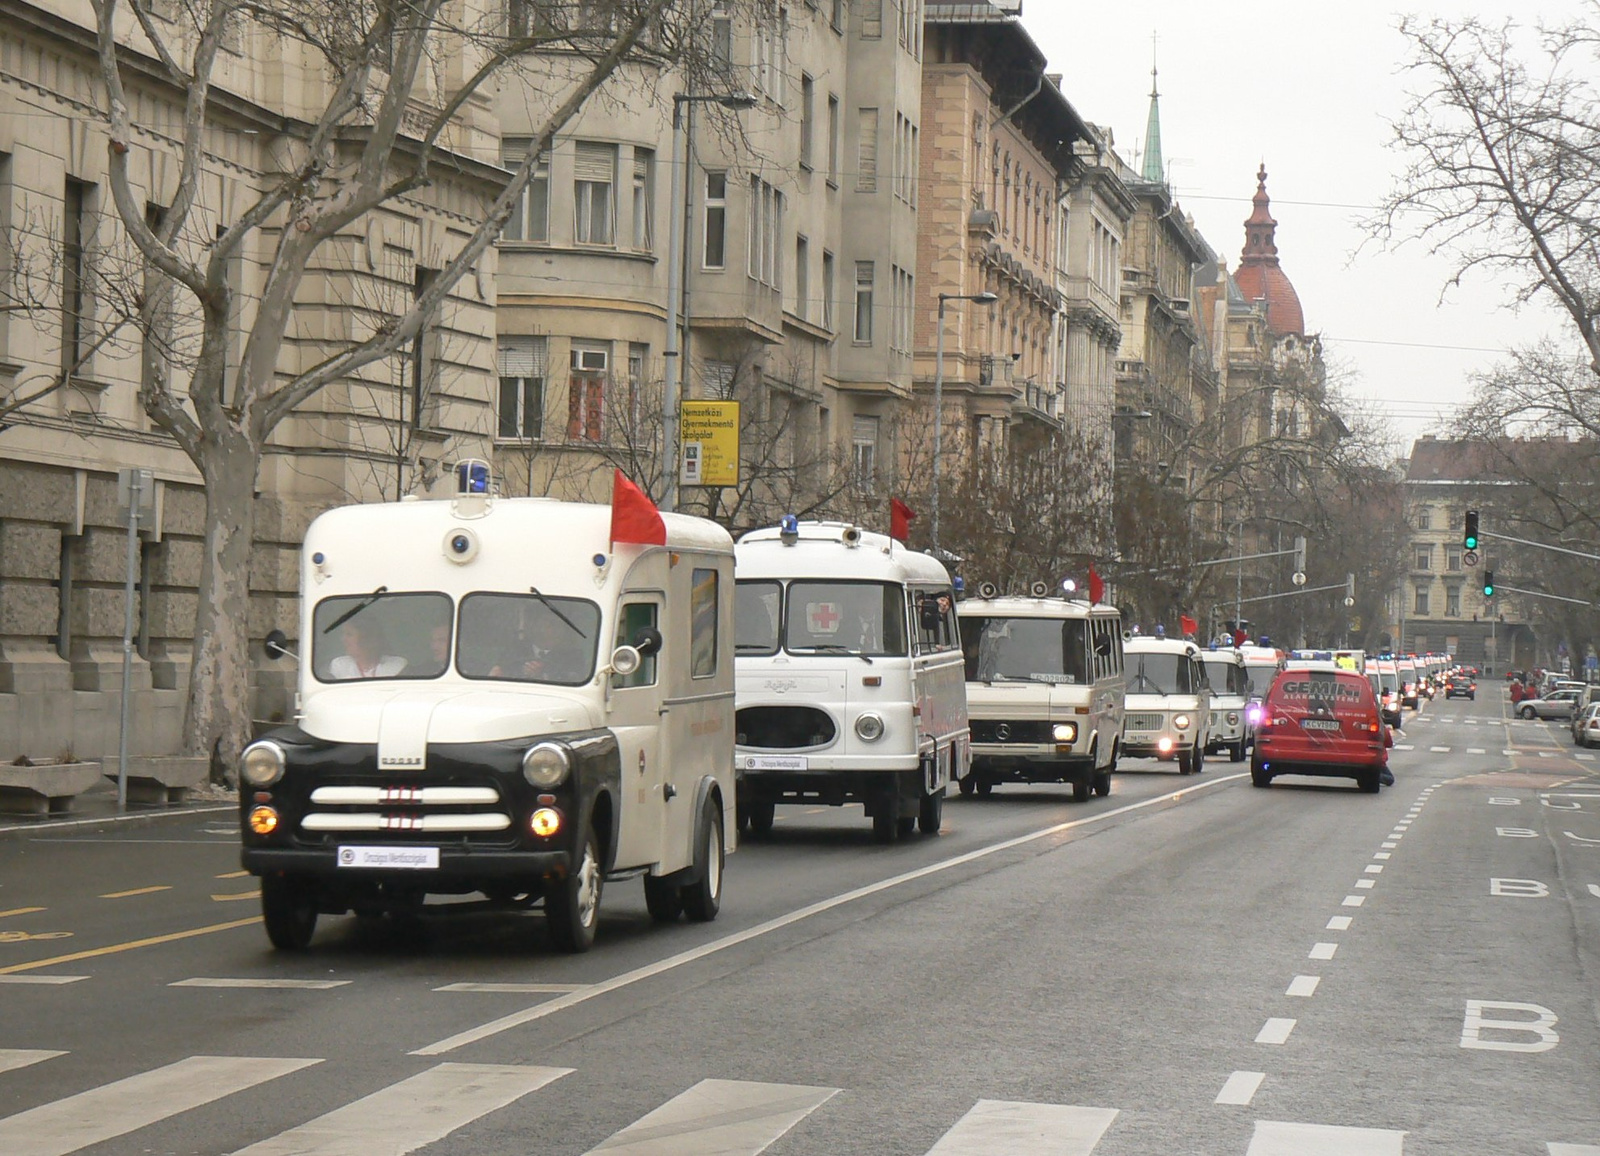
(1321, 722)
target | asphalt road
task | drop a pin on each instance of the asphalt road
(1189, 966)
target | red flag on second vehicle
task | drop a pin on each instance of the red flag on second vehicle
(1097, 585)
(900, 516)
(634, 517)
(1239, 637)
(1188, 625)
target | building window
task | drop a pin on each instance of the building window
(530, 216)
(1452, 558)
(644, 186)
(833, 140)
(837, 17)
(871, 19)
(1421, 605)
(864, 277)
(1424, 519)
(722, 34)
(808, 96)
(802, 277)
(594, 177)
(424, 397)
(867, 151)
(1452, 602)
(864, 452)
(522, 376)
(766, 228)
(76, 232)
(586, 391)
(718, 377)
(1424, 557)
(900, 310)
(772, 54)
(638, 352)
(827, 290)
(716, 226)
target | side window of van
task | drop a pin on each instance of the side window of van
(633, 618)
(703, 624)
(935, 615)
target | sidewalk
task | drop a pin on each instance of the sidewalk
(98, 806)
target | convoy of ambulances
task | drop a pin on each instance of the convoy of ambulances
(850, 685)
(1044, 691)
(494, 697)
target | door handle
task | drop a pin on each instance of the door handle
(668, 791)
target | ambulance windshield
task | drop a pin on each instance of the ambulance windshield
(381, 635)
(528, 638)
(845, 618)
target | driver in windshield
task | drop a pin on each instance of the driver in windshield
(364, 657)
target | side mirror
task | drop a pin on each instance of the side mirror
(625, 660)
(276, 644)
(647, 641)
(1102, 647)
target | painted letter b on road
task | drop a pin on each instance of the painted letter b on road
(1478, 1022)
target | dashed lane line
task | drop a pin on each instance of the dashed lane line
(1241, 1088)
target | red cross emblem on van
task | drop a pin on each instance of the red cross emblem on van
(823, 617)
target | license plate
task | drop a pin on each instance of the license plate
(390, 858)
(1140, 737)
(775, 763)
(1318, 724)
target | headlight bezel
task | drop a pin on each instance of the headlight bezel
(869, 726)
(546, 765)
(1181, 722)
(264, 747)
(1064, 732)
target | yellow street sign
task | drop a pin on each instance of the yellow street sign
(709, 434)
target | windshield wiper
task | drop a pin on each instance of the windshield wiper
(356, 609)
(832, 648)
(551, 607)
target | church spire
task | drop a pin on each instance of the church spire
(1154, 167)
(1260, 231)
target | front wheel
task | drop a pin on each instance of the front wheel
(762, 816)
(702, 899)
(1186, 762)
(1527, 713)
(1081, 790)
(967, 786)
(884, 827)
(1102, 783)
(663, 900)
(572, 904)
(985, 787)
(289, 911)
(1236, 752)
(930, 813)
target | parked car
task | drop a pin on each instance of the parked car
(1558, 704)
(1321, 722)
(1461, 686)
(1586, 726)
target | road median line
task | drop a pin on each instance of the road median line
(115, 948)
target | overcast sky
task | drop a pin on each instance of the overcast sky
(1241, 84)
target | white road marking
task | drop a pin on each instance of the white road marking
(1594, 889)
(1548, 754)
(529, 988)
(287, 984)
(718, 1118)
(13, 1058)
(1366, 884)
(1508, 751)
(41, 979)
(1389, 846)
(1476, 1023)
(1573, 1149)
(1339, 923)
(1275, 1031)
(1439, 750)
(1021, 1129)
(1304, 985)
(1273, 1138)
(1579, 838)
(405, 1116)
(1241, 1088)
(1354, 900)
(648, 971)
(1382, 854)
(1588, 757)
(118, 1108)
(1476, 751)
(1404, 747)
(1323, 950)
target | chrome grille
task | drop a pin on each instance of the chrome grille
(1144, 721)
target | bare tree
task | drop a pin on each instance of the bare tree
(372, 142)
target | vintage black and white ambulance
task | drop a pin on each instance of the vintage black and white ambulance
(850, 686)
(495, 697)
(1044, 690)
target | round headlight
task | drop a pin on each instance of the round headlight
(262, 764)
(869, 727)
(545, 766)
(1233, 718)
(1065, 732)
(544, 822)
(1181, 722)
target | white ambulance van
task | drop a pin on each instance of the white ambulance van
(1232, 729)
(1044, 691)
(494, 698)
(850, 685)
(1168, 704)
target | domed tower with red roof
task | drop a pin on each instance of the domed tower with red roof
(1259, 276)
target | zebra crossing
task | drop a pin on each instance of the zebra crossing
(714, 1117)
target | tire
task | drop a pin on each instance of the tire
(702, 899)
(572, 904)
(289, 910)
(1259, 777)
(1368, 782)
(985, 787)
(663, 900)
(930, 814)
(762, 815)
(967, 786)
(1082, 789)
(1527, 713)
(906, 826)
(1186, 762)
(1236, 752)
(884, 828)
(1102, 783)
(1199, 760)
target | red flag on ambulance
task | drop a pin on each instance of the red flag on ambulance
(1097, 585)
(1188, 625)
(634, 517)
(900, 516)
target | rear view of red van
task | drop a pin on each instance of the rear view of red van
(1321, 722)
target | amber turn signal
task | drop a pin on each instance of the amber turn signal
(263, 820)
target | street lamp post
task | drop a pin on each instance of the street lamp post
(677, 229)
(984, 298)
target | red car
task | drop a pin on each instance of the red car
(1321, 722)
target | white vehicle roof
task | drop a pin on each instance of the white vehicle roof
(821, 552)
(1150, 644)
(1035, 608)
(1223, 654)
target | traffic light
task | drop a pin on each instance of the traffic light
(1469, 539)
(1488, 583)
